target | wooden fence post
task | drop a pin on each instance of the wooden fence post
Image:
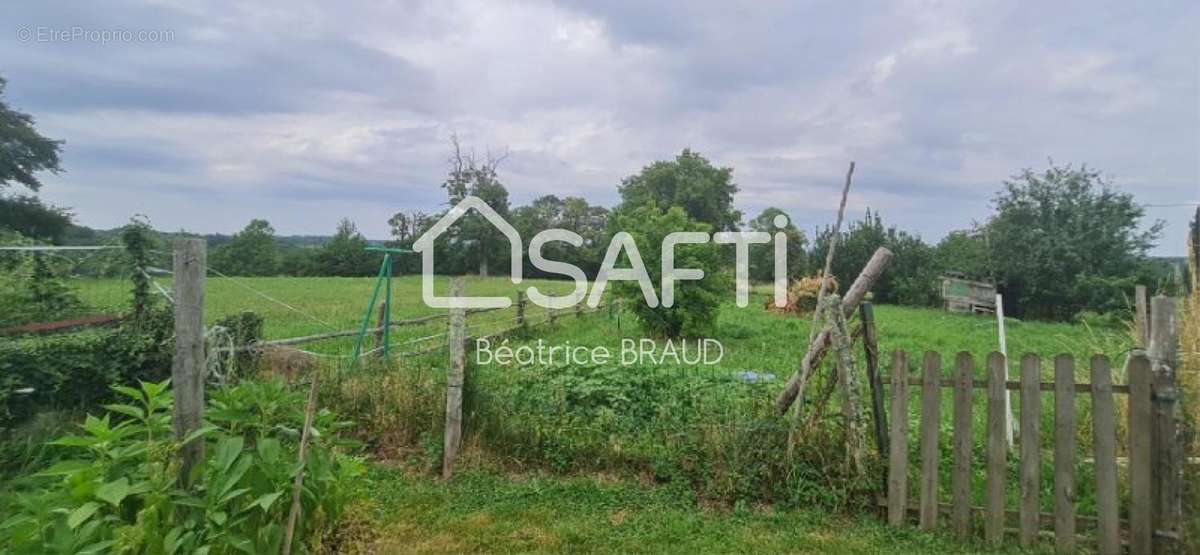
(187, 366)
(866, 313)
(1142, 317)
(960, 483)
(1167, 454)
(1104, 438)
(1064, 454)
(931, 400)
(997, 449)
(1031, 448)
(898, 447)
(579, 309)
(457, 337)
(1141, 423)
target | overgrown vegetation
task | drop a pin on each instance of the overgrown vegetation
(116, 487)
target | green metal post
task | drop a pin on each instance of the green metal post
(362, 331)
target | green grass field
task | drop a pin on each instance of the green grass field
(754, 338)
(545, 420)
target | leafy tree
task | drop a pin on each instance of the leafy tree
(251, 252)
(345, 254)
(691, 182)
(762, 257)
(298, 261)
(474, 239)
(29, 216)
(1065, 240)
(911, 277)
(966, 253)
(407, 227)
(694, 312)
(23, 151)
(570, 213)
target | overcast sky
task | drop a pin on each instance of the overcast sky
(307, 112)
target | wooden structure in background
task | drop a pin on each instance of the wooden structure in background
(963, 295)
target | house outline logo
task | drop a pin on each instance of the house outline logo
(424, 245)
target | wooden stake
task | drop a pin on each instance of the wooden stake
(866, 313)
(1141, 321)
(380, 330)
(310, 410)
(1167, 454)
(454, 381)
(187, 367)
(847, 376)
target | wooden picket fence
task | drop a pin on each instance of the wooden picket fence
(1151, 484)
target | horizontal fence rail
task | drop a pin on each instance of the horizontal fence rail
(1028, 522)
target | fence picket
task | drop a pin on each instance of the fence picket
(1141, 419)
(960, 514)
(930, 424)
(1031, 449)
(997, 450)
(1064, 453)
(1104, 437)
(898, 446)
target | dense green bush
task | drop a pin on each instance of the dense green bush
(74, 370)
(694, 312)
(709, 433)
(118, 492)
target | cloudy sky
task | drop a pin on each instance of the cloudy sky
(307, 112)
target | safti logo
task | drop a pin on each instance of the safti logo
(620, 241)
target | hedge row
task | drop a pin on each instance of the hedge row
(76, 370)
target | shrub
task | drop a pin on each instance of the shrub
(694, 312)
(119, 493)
(74, 370)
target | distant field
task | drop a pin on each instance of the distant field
(753, 337)
(321, 304)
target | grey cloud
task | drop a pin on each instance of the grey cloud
(303, 109)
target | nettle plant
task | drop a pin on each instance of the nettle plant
(118, 491)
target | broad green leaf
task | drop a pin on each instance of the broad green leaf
(65, 468)
(268, 449)
(114, 491)
(128, 392)
(265, 501)
(81, 514)
(227, 451)
(198, 433)
(235, 475)
(171, 540)
(98, 547)
(232, 495)
(127, 410)
(75, 441)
